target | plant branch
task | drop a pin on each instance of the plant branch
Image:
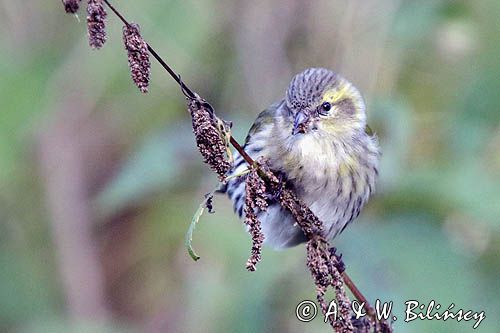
(242, 152)
(170, 71)
(192, 95)
(177, 78)
(357, 293)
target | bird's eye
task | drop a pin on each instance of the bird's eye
(325, 107)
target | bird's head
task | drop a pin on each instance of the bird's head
(325, 103)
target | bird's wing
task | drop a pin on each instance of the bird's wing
(265, 118)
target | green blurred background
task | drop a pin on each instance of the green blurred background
(99, 183)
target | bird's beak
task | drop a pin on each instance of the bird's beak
(301, 123)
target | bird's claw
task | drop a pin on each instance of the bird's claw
(276, 193)
(339, 263)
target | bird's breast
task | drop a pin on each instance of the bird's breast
(332, 177)
(311, 162)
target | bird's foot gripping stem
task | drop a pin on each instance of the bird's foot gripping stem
(276, 193)
(339, 262)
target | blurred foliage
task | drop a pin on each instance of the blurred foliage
(430, 71)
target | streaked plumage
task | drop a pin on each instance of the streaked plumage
(326, 155)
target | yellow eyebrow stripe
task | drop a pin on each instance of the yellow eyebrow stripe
(336, 94)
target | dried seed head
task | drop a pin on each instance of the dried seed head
(322, 266)
(210, 134)
(321, 261)
(317, 262)
(138, 56)
(96, 17)
(71, 6)
(305, 218)
(343, 324)
(256, 191)
(255, 200)
(383, 327)
(362, 325)
(255, 230)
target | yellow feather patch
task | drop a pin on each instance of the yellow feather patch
(341, 91)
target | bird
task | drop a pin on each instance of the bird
(318, 139)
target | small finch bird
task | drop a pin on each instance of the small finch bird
(318, 139)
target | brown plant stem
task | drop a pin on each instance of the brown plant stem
(357, 293)
(190, 94)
